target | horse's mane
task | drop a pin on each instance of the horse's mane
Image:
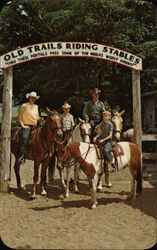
(76, 133)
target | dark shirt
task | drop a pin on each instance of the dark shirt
(106, 128)
(94, 110)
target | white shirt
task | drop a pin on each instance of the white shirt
(67, 121)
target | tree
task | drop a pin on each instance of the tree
(128, 25)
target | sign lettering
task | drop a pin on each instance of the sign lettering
(70, 49)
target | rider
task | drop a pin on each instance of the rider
(67, 121)
(94, 109)
(104, 137)
(28, 117)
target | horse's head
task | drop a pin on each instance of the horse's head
(85, 130)
(117, 121)
(56, 123)
(62, 153)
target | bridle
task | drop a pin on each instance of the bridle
(43, 137)
(83, 133)
(115, 131)
(72, 162)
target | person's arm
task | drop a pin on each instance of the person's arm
(72, 122)
(108, 137)
(110, 134)
(98, 134)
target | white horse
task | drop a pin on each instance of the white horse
(82, 132)
(85, 154)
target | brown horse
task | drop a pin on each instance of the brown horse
(40, 148)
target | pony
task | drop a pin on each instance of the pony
(82, 132)
(39, 149)
(86, 155)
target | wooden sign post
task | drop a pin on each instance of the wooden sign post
(6, 129)
(61, 49)
(136, 93)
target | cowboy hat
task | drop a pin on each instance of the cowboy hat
(66, 106)
(32, 94)
(95, 90)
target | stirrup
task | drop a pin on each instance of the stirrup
(21, 159)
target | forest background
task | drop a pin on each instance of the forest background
(129, 25)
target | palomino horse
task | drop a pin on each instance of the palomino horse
(129, 135)
(82, 132)
(85, 154)
(118, 124)
(40, 148)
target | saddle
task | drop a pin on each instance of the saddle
(99, 151)
(116, 151)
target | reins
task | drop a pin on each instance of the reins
(72, 162)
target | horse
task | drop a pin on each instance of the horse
(117, 121)
(39, 149)
(129, 135)
(82, 132)
(86, 155)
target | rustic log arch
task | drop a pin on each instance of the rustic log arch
(61, 49)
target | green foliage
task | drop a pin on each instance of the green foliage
(125, 24)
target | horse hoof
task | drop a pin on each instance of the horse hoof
(76, 191)
(99, 190)
(67, 195)
(93, 206)
(33, 196)
(21, 187)
(109, 185)
(43, 193)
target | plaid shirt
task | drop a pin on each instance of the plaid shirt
(67, 121)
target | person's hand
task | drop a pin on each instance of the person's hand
(101, 141)
(41, 119)
(94, 139)
(25, 126)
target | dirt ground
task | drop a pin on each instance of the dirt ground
(55, 222)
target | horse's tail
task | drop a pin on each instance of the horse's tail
(139, 177)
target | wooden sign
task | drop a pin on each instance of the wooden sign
(70, 49)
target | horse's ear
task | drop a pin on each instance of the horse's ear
(80, 120)
(122, 113)
(86, 118)
(48, 110)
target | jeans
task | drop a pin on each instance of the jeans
(107, 148)
(25, 134)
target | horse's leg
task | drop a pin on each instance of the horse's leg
(68, 171)
(61, 174)
(35, 178)
(99, 188)
(43, 177)
(76, 177)
(17, 173)
(94, 191)
(51, 168)
(132, 194)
